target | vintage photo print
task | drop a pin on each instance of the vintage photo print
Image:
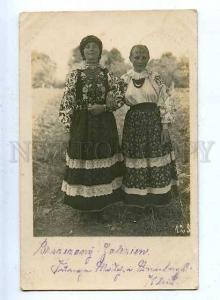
(108, 135)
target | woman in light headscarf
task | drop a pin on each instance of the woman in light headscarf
(149, 157)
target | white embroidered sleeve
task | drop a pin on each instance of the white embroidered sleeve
(164, 102)
(68, 101)
(116, 94)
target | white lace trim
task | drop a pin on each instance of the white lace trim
(83, 65)
(138, 163)
(91, 191)
(149, 190)
(94, 163)
(136, 75)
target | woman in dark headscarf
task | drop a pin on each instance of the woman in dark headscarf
(93, 159)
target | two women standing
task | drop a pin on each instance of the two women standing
(97, 174)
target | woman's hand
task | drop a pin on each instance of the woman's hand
(111, 103)
(96, 109)
(165, 137)
(66, 137)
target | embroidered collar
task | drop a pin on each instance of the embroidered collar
(135, 75)
(83, 65)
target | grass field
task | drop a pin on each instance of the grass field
(53, 218)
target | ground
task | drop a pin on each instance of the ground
(53, 218)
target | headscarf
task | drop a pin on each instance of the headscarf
(88, 39)
(140, 46)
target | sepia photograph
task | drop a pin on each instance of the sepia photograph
(110, 130)
(108, 103)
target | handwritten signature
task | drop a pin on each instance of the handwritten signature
(110, 261)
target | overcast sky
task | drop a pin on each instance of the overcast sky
(57, 33)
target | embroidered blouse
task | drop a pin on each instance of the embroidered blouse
(90, 85)
(153, 90)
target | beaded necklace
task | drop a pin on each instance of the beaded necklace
(138, 83)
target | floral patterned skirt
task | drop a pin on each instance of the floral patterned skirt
(94, 163)
(150, 165)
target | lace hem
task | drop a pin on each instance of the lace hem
(94, 163)
(149, 190)
(138, 163)
(91, 191)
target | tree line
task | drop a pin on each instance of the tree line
(174, 70)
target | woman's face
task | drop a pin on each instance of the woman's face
(91, 52)
(139, 58)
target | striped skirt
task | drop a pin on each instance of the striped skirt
(150, 170)
(94, 163)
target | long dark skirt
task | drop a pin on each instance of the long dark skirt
(94, 163)
(150, 165)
